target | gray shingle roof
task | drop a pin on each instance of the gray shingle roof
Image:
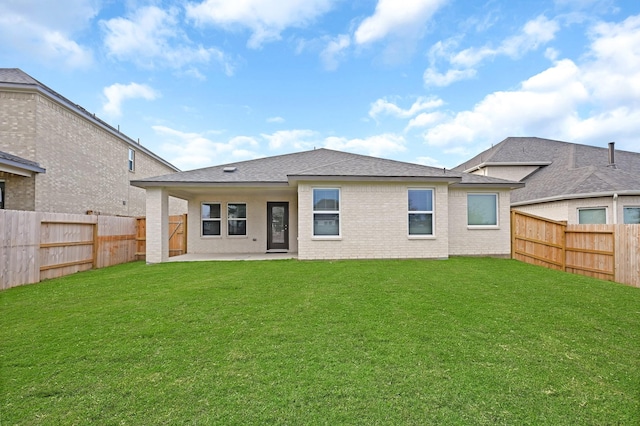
(15, 161)
(316, 164)
(572, 169)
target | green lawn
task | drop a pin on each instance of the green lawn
(462, 341)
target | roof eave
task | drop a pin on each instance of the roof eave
(161, 184)
(510, 185)
(351, 178)
(576, 197)
(17, 168)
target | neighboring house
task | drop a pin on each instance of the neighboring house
(57, 157)
(579, 184)
(325, 204)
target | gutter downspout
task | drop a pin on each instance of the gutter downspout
(615, 209)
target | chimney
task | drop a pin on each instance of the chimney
(612, 159)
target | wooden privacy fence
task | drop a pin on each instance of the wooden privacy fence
(177, 236)
(35, 246)
(609, 252)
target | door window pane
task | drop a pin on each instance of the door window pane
(631, 215)
(592, 216)
(482, 209)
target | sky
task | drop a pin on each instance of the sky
(433, 82)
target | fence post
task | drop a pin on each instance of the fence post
(513, 234)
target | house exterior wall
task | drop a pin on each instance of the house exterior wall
(513, 173)
(86, 165)
(256, 239)
(567, 210)
(468, 241)
(19, 192)
(374, 223)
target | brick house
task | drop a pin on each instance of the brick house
(57, 157)
(325, 204)
(579, 184)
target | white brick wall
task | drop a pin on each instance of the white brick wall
(373, 223)
(465, 241)
(157, 244)
(567, 210)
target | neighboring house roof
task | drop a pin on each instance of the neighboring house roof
(17, 165)
(15, 78)
(565, 170)
(317, 164)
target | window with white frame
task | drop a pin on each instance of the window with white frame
(482, 209)
(326, 212)
(132, 160)
(631, 215)
(211, 219)
(592, 215)
(420, 211)
(236, 219)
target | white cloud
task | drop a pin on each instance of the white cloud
(384, 107)
(428, 161)
(152, 36)
(377, 146)
(118, 93)
(275, 120)
(434, 78)
(189, 150)
(396, 17)
(334, 51)
(426, 119)
(533, 34)
(297, 139)
(45, 30)
(596, 101)
(266, 20)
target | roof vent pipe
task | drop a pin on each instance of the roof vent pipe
(612, 159)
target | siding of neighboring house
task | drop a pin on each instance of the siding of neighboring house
(514, 173)
(86, 164)
(465, 241)
(567, 210)
(255, 240)
(374, 222)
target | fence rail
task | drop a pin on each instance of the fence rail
(609, 252)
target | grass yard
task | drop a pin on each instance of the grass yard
(462, 341)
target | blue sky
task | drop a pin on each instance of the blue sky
(207, 82)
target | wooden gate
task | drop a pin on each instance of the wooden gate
(177, 236)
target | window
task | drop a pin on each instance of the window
(236, 219)
(482, 209)
(1, 194)
(592, 216)
(326, 212)
(631, 215)
(132, 160)
(211, 220)
(420, 207)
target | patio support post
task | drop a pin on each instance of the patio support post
(157, 225)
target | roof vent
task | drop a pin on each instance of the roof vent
(229, 169)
